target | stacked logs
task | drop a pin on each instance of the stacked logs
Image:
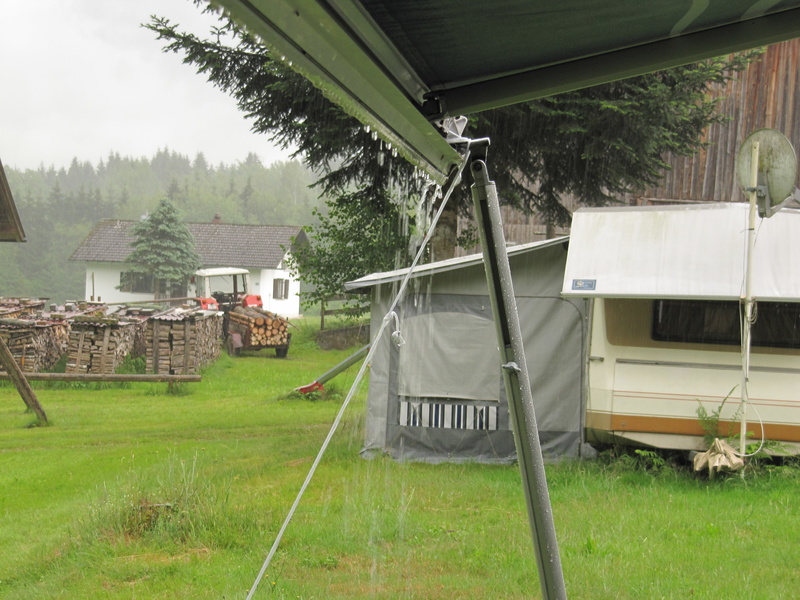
(20, 308)
(260, 328)
(182, 343)
(100, 344)
(34, 345)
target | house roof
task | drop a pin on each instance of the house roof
(362, 284)
(401, 65)
(682, 252)
(218, 244)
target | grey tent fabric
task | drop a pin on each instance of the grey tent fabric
(440, 396)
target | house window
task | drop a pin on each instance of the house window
(280, 289)
(136, 283)
(776, 324)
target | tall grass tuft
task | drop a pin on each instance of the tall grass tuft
(171, 503)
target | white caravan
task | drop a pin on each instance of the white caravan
(667, 284)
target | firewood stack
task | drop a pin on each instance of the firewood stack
(260, 327)
(100, 344)
(20, 308)
(182, 342)
(36, 345)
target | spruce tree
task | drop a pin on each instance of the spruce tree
(163, 248)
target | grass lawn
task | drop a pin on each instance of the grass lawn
(134, 493)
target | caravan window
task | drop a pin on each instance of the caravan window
(777, 324)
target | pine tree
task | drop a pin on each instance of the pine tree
(163, 248)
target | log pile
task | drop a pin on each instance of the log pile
(20, 308)
(100, 344)
(259, 328)
(182, 342)
(35, 345)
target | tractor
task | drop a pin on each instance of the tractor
(246, 325)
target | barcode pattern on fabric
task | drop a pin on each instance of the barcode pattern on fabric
(448, 416)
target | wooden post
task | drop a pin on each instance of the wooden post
(104, 348)
(186, 354)
(155, 345)
(18, 377)
(80, 351)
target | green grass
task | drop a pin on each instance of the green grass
(134, 493)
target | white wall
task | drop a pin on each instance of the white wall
(102, 280)
(289, 307)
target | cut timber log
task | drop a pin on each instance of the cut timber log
(259, 328)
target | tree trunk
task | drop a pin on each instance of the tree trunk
(443, 242)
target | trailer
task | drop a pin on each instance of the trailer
(254, 328)
(666, 330)
(246, 324)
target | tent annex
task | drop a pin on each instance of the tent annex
(440, 396)
(666, 284)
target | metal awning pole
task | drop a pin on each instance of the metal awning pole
(516, 378)
(747, 319)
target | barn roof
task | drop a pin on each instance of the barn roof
(218, 244)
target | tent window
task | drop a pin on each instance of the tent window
(777, 324)
(449, 415)
(454, 363)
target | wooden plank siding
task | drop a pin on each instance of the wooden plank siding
(764, 95)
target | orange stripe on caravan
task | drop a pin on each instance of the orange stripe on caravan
(672, 425)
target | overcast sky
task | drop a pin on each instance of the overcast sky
(81, 78)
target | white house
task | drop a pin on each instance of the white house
(261, 249)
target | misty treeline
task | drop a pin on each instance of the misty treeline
(59, 206)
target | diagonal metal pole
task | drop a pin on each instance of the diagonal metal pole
(515, 376)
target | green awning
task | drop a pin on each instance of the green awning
(401, 65)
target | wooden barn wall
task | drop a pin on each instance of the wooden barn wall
(764, 95)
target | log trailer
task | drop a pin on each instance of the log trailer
(246, 324)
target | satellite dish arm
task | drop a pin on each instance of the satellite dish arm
(768, 209)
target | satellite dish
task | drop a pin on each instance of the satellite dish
(777, 168)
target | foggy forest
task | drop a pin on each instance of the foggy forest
(59, 206)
